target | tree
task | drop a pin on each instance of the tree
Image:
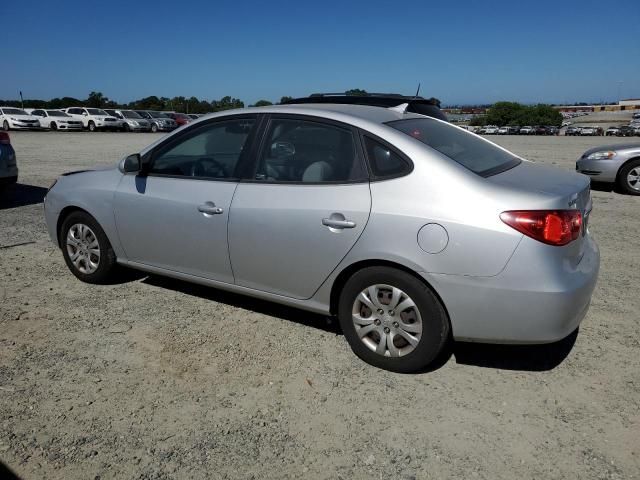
(285, 99)
(356, 91)
(96, 100)
(263, 103)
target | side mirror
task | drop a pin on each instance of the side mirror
(132, 163)
(85, 114)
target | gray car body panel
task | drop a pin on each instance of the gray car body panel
(496, 284)
(606, 170)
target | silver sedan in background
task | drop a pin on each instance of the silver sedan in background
(408, 229)
(617, 164)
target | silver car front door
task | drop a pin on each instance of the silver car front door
(305, 208)
(176, 216)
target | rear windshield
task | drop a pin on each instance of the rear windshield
(468, 149)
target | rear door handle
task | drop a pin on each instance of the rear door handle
(209, 208)
(337, 223)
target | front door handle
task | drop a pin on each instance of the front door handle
(209, 208)
(338, 223)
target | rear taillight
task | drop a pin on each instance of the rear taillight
(4, 138)
(553, 227)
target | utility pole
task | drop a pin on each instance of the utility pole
(21, 100)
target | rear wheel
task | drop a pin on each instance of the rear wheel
(392, 320)
(92, 127)
(86, 248)
(126, 127)
(154, 128)
(53, 126)
(5, 126)
(629, 177)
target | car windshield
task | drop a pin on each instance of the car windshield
(14, 111)
(130, 114)
(97, 111)
(159, 115)
(467, 149)
(57, 113)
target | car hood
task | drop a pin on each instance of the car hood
(604, 148)
(22, 117)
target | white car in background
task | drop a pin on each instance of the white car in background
(527, 130)
(491, 130)
(16, 119)
(503, 131)
(94, 118)
(56, 119)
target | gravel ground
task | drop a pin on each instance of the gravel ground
(153, 378)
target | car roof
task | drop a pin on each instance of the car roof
(335, 111)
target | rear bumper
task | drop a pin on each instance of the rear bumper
(525, 304)
(9, 180)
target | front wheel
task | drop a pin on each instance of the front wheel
(5, 126)
(392, 320)
(629, 178)
(92, 127)
(53, 126)
(86, 248)
(154, 128)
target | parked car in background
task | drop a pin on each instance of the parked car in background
(491, 130)
(566, 123)
(611, 131)
(572, 131)
(636, 115)
(17, 119)
(503, 131)
(553, 130)
(131, 121)
(159, 121)
(514, 130)
(588, 132)
(56, 120)
(625, 131)
(193, 116)
(619, 164)
(527, 130)
(540, 130)
(180, 118)
(94, 118)
(330, 208)
(8, 164)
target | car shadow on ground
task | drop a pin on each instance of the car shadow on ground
(20, 195)
(603, 187)
(6, 473)
(533, 358)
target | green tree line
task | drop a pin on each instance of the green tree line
(177, 104)
(513, 113)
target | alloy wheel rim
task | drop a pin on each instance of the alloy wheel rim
(387, 320)
(83, 248)
(633, 178)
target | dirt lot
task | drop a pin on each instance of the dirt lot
(153, 378)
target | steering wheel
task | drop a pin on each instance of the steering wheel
(208, 167)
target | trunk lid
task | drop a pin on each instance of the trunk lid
(550, 188)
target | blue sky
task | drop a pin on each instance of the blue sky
(462, 51)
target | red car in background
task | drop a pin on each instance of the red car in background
(180, 118)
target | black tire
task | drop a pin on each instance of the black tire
(5, 126)
(92, 126)
(53, 126)
(126, 127)
(154, 128)
(435, 323)
(107, 260)
(623, 180)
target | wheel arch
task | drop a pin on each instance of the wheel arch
(632, 159)
(350, 270)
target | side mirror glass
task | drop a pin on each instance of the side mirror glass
(132, 163)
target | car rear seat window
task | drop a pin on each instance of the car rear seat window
(468, 149)
(384, 161)
(309, 152)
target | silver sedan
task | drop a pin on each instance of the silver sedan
(408, 229)
(617, 164)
